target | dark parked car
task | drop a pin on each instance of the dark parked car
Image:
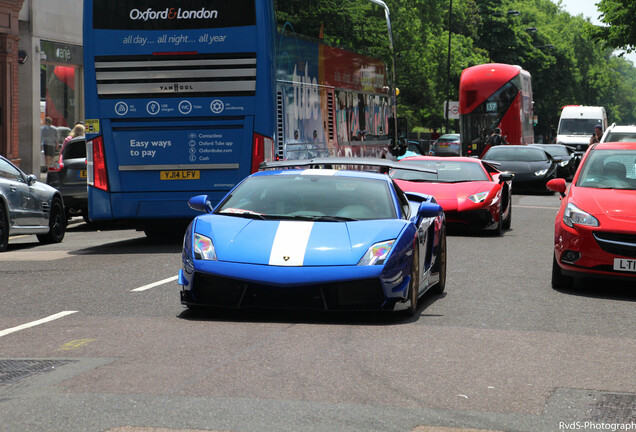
(68, 175)
(28, 207)
(570, 158)
(533, 167)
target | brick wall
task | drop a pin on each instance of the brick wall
(9, 98)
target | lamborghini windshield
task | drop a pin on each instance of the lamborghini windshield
(447, 172)
(329, 198)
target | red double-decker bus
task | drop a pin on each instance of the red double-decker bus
(493, 96)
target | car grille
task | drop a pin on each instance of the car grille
(223, 292)
(617, 244)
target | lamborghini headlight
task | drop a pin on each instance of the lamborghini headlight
(541, 172)
(574, 215)
(564, 163)
(377, 253)
(478, 197)
(203, 248)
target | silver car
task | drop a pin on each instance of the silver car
(28, 207)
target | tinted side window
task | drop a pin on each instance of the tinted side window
(75, 150)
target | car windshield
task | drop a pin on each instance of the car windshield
(330, 198)
(515, 154)
(621, 137)
(447, 172)
(556, 150)
(609, 169)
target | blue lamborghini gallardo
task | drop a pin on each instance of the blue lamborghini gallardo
(315, 239)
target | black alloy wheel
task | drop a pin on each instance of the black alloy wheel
(57, 223)
(415, 281)
(508, 220)
(4, 229)
(440, 265)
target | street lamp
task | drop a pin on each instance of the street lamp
(392, 85)
(448, 65)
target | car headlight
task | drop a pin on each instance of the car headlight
(564, 163)
(541, 172)
(377, 253)
(203, 248)
(478, 197)
(574, 215)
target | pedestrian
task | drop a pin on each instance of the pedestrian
(78, 130)
(49, 140)
(496, 139)
(598, 133)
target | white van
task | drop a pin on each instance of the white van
(576, 125)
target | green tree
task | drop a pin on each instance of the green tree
(620, 17)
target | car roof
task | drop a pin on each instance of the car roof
(615, 146)
(624, 128)
(442, 158)
(323, 172)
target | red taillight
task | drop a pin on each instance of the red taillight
(57, 166)
(262, 150)
(100, 177)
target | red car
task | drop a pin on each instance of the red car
(595, 229)
(472, 193)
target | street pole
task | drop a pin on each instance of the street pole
(393, 82)
(448, 65)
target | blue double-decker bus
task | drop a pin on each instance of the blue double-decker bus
(189, 97)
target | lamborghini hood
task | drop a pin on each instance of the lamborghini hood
(294, 243)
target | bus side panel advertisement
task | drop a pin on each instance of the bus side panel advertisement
(304, 126)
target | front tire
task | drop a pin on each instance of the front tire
(4, 229)
(440, 265)
(57, 223)
(414, 283)
(508, 220)
(559, 280)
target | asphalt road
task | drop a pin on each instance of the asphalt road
(499, 351)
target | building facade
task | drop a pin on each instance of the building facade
(9, 102)
(49, 75)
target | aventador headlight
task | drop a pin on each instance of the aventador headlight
(203, 248)
(377, 253)
(574, 215)
(478, 197)
(564, 163)
(540, 173)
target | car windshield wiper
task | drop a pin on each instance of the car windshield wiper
(243, 213)
(316, 218)
(419, 180)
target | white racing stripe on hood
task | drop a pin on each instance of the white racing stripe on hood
(290, 243)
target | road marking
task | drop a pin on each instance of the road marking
(75, 344)
(35, 323)
(154, 284)
(535, 207)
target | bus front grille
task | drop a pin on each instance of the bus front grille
(168, 76)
